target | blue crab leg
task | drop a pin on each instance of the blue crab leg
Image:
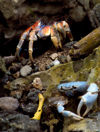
(66, 113)
(88, 99)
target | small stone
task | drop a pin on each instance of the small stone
(56, 62)
(37, 83)
(53, 56)
(36, 69)
(16, 75)
(68, 58)
(63, 59)
(47, 67)
(32, 96)
(26, 70)
(30, 108)
(9, 103)
(16, 94)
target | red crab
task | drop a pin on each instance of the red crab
(56, 31)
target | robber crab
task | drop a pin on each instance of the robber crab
(74, 88)
(56, 31)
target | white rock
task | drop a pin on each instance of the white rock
(37, 83)
(53, 56)
(26, 70)
(56, 62)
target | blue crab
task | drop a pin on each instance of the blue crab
(89, 97)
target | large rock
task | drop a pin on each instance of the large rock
(17, 122)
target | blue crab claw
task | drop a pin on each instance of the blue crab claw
(88, 99)
(66, 113)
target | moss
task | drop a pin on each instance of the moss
(63, 72)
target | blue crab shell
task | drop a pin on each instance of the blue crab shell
(73, 88)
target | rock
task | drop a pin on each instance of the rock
(32, 96)
(86, 125)
(53, 56)
(30, 108)
(77, 13)
(37, 83)
(16, 94)
(56, 62)
(68, 58)
(9, 59)
(26, 70)
(16, 75)
(18, 122)
(9, 103)
(14, 67)
(3, 69)
(63, 59)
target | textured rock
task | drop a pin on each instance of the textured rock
(86, 125)
(37, 83)
(25, 70)
(53, 56)
(18, 122)
(8, 103)
(77, 14)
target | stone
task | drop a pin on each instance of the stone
(18, 122)
(86, 125)
(30, 108)
(9, 103)
(53, 56)
(25, 70)
(56, 62)
(37, 83)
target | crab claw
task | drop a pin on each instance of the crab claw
(66, 113)
(88, 99)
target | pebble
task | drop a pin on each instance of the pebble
(62, 59)
(9, 103)
(37, 83)
(29, 108)
(68, 58)
(53, 56)
(14, 68)
(16, 94)
(25, 70)
(56, 62)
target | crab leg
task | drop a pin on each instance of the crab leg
(32, 38)
(24, 36)
(21, 41)
(69, 34)
(66, 113)
(56, 39)
(88, 99)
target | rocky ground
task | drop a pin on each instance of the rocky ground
(21, 81)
